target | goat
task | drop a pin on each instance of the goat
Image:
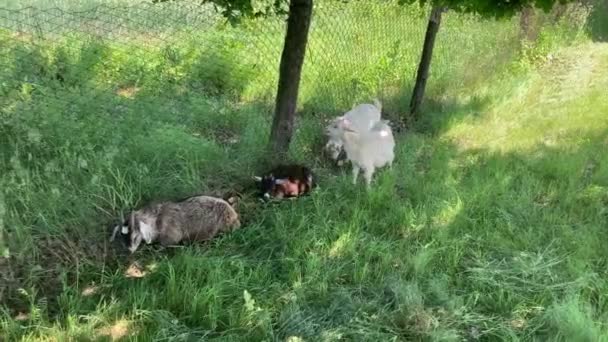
(369, 150)
(198, 218)
(286, 181)
(360, 118)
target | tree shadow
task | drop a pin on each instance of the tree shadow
(439, 109)
(438, 115)
(448, 199)
(105, 148)
(597, 21)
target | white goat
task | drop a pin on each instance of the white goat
(369, 150)
(360, 118)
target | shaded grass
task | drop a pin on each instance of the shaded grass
(597, 25)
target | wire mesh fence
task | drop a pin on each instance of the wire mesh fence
(355, 51)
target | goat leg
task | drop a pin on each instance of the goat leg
(356, 170)
(368, 173)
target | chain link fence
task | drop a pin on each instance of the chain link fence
(356, 51)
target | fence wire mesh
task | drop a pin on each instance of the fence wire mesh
(356, 51)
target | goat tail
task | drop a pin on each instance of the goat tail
(378, 104)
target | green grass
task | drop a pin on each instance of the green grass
(490, 226)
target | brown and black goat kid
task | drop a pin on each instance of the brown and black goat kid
(286, 181)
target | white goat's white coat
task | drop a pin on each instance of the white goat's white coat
(369, 150)
(360, 118)
(364, 116)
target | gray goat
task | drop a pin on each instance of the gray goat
(198, 218)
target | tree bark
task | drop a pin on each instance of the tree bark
(292, 59)
(526, 24)
(425, 60)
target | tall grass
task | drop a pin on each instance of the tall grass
(489, 227)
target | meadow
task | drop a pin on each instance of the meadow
(489, 227)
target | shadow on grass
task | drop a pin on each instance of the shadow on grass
(441, 218)
(95, 152)
(419, 248)
(438, 115)
(597, 21)
(461, 239)
(80, 154)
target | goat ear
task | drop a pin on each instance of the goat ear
(350, 136)
(378, 104)
(343, 122)
(348, 129)
(116, 229)
(257, 178)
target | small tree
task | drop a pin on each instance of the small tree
(425, 59)
(290, 70)
(292, 58)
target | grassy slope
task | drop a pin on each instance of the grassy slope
(490, 226)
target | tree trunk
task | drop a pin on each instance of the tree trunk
(526, 24)
(292, 59)
(425, 59)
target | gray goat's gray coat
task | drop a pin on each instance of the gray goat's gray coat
(198, 218)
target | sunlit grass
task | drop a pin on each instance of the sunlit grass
(553, 108)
